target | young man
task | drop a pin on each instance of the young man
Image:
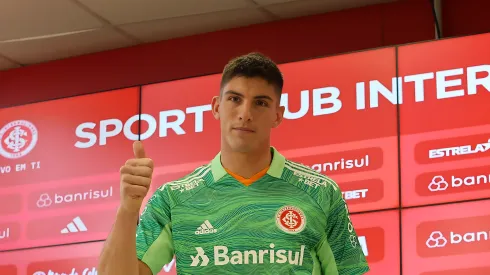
(249, 211)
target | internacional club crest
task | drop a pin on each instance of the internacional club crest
(290, 219)
(17, 139)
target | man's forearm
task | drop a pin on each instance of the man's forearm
(118, 255)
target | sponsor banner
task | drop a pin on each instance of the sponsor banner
(460, 236)
(351, 161)
(48, 167)
(75, 266)
(10, 203)
(463, 178)
(79, 259)
(452, 149)
(9, 233)
(372, 181)
(444, 119)
(67, 138)
(72, 227)
(453, 181)
(362, 191)
(378, 235)
(82, 195)
(446, 237)
(95, 195)
(58, 226)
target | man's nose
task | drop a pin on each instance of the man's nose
(245, 112)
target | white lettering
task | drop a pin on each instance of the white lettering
(469, 237)
(199, 111)
(333, 100)
(363, 243)
(5, 169)
(303, 110)
(175, 125)
(355, 194)
(105, 132)
(360, 96)
(89, 195)
(376, 89)
(223, 257)
(5, 234)
(419, 79)
(220, 255)
(473, 81)
(459, 150)
(342, 164)
(129, 125)
(443, 84)
(92, 138)
(20, 167)
(470, 180)
(88, 271)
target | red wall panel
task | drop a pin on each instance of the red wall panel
(284, 41)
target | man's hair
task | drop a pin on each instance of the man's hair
(253, 65)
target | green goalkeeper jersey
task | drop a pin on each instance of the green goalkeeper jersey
(293, 220)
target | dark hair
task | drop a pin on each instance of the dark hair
(253, 65)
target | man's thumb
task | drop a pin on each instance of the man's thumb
(138, 150)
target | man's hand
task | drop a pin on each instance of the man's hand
(135, 179)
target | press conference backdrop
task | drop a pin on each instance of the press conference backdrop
(405, 131)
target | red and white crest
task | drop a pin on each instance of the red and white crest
(17, 139)
(290, 219)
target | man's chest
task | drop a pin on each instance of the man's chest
(247, 226)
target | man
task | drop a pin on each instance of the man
(248, 211)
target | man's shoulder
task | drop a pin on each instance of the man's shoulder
(307, 177)
(319, 186)
(182, 188)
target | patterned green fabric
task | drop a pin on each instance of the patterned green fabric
(293, 220)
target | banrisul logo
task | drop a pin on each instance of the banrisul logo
(221, 255)
(454, 236)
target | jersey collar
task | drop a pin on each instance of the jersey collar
(275, 169)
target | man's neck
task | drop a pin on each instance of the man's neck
(246, 164)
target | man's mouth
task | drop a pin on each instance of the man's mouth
(243, 129)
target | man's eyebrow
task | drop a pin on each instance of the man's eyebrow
(256, 97)
(264, 97)
(233, 92)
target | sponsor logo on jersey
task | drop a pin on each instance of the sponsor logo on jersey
(17, 139)
(222, 256)
(460, 150)
(206, 228)
(290, 219)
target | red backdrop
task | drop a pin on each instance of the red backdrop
(347, 116)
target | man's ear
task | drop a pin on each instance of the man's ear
(215, 102)
(279, 116)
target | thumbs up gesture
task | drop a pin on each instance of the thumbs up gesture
(135, 179)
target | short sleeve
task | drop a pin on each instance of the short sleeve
(154, 245)
(341, 252)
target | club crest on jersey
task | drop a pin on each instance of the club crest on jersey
(290, 219)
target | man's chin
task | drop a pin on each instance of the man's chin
(241, 146)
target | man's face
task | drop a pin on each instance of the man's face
(248, 108)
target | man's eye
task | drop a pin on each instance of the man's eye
(234, 98)
(262, 103)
